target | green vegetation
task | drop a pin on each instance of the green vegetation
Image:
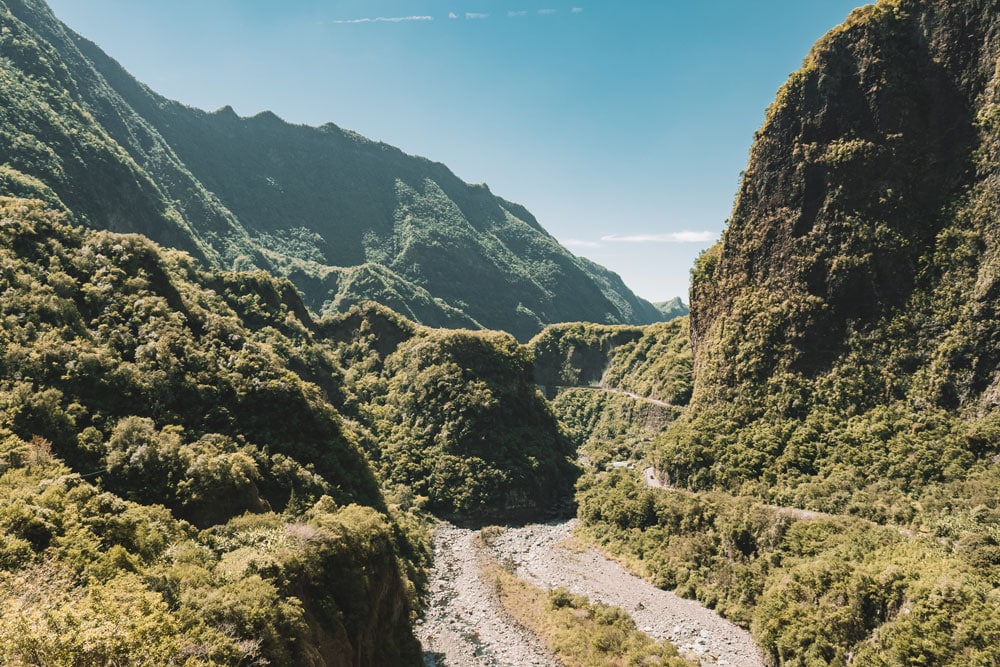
(137, 406)
(185, 457)
(812, 589)
(618, 386)
(856, 375)
(606, 428)
(452, 419)
(91, 578)
(652, 362)
(581, 633)
(845, 361)
(346, 219)
(193, 470)
(116, 354)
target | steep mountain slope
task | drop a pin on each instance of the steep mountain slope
(672, 309)
(614, 388)
(860, 266)
(846, 362)
(652, 362)
(347, 219)
(452, 420)
(141, 401)
(189, 457)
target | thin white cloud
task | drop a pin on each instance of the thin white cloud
(476, 15)
(384, 19)
(671, 237)
(546, 12)
(576, 10)
(517, 14)
(577, 243)
(452, 15)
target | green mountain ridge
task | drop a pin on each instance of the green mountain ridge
(302, 202)
(672, 308)
(195, 469)
(834, 483)
(170, 487)
(192, 448)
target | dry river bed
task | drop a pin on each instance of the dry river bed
(466, 625)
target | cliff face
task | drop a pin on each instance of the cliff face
(870, 197)
(846, 347)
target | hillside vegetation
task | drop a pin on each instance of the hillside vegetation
(345, 218)
(452, 420)
(169, 486)
(845, 361)
(614, 389)
(855, 360)
(652, 362)
(204, 466)
(177, 476)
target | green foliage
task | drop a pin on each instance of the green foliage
(115, 582)
(198, 399)
(813, 590)
(657, 366)
(180, 404)
(625, 384)
(347, 219)
(845, 361)
(581, 633)
(129, 366)
(606, 427)
(455, 419)
(577, 354)
(653, 362)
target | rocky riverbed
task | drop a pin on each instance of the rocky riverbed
(466, 625)
(544, 556)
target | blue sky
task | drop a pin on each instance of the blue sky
(622, 125)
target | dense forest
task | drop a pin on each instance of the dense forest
(226, 427)
(195, 469)
(844, 356)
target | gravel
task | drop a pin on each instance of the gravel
(543, 558)
(466, 624)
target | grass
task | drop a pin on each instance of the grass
(581, 633)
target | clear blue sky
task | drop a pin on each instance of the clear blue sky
(622, 125)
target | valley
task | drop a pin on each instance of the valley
(465, 623)
(549, 556)
(255, 375)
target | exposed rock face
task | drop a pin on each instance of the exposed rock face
(871, 193)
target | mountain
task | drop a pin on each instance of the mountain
(170, 489)
(614, 388)
(834, 483)
(345, 218)
(193, 467)
(672, 309)
(860, 265)
(652, 362)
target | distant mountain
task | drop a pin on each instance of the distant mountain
(672, 309)
(345, 218)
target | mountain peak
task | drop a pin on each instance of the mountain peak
(302, 202)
